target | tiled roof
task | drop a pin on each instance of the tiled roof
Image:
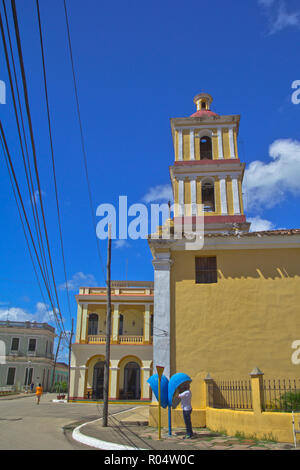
(293, 231)
(203, 113)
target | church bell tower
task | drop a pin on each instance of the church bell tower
(207, 169)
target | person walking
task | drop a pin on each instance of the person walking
(185, 396)
(38, 393)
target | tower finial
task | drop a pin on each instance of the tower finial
(203, 101)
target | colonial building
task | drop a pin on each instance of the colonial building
(234, 304)
(27, 354)
(131, 342)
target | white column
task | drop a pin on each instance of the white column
(181, 196)
(193, 195)
(223, 194)
(115, 323)
(81, 371)
(147, 321)
(231, 143)
(220, 143)
(162, 312)
(192, 145)
(235, 193)
(146, 372)
(180, 152)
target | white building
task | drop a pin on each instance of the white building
(26, 354)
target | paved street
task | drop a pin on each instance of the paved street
(27, 426)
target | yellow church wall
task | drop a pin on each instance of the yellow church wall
(198, 192)
(226, 145)
(215, 146)
(197, 148)
(248, 318)
(186, 144)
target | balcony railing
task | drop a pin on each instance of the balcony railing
(123, 339)
(131, 339)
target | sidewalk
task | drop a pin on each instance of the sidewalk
(130, 429)
(14, 396)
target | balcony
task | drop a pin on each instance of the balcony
(123, 339)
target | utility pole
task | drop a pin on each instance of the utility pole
(108, 333)
(55, 360)
(70, 349)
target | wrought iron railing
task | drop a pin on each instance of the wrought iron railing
(281, 395)
(235, 395)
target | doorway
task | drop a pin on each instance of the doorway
(98, 380)
(132, 388)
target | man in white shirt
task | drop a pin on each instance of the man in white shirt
(185, 396)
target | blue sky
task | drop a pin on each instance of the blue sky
(138, 64)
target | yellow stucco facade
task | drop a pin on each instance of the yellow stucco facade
(233, 305)
(130, 342)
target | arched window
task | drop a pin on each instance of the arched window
(208, 197)
(93, 324)
(205, 148)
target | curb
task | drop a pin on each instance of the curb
(97, 443)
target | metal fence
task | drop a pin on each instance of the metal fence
(235, 395)
(281, 395)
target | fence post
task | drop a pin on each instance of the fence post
(257, 390)
(208, 390)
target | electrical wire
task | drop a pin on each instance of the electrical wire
(52, 154)
(82, 139)
(41, 261)
(27, 170)
(25, 91)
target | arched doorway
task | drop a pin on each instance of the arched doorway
(98, 380)
(132, 381)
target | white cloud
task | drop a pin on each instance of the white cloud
(79, 280)
(120, 244)
(269, 184)
(41, 315)
(260, 225)
(278, 16)
(162, 192)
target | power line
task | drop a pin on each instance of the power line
(42, 264)
(12, 177)
(52, 154)
(27, 171)
(25, 90)
(82, 139)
